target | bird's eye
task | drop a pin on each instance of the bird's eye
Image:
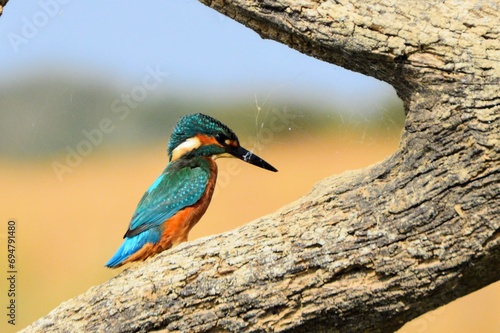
(222, 139)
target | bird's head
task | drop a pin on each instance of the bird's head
(201, 135)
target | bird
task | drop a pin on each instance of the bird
(179, 197)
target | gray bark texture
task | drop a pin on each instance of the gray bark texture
(365, 251)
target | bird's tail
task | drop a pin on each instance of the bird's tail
(132, 245)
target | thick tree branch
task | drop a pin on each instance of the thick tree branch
(367, 250)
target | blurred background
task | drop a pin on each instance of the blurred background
(89, 92)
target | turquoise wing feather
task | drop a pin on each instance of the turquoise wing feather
(179, 186)
(171, 192)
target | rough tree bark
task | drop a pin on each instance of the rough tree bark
(367, 250)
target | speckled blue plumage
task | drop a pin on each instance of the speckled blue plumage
(187, 181)
(181, 184)
(190, 125)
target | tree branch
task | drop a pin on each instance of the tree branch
(367, 250)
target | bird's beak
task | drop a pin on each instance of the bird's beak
(250, 157)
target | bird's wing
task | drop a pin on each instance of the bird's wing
(171, 192)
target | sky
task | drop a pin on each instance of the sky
(201, 50)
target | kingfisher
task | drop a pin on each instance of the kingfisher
(179, 197)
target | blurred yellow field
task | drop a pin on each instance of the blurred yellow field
(67, 230)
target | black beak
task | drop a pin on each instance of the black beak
(249, 157)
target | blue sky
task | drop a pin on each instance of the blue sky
(200, 49)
